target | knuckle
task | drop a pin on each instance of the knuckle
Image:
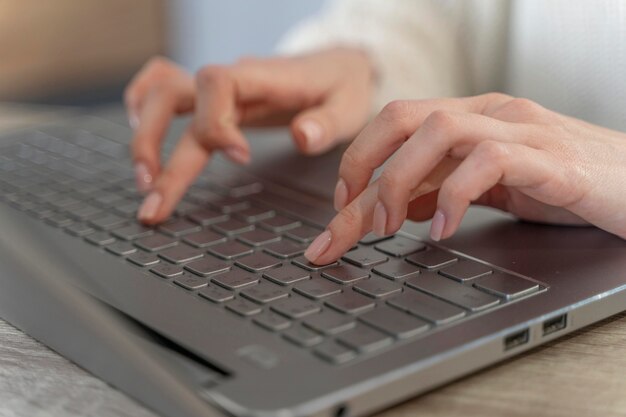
(211, 74)
(396, 110)
(439, 120)
(496, 97)
(158, 65)
(524, 106)
(453, 189)
(389, 180)
(492, 152)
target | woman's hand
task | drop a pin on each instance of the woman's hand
(325, 96)
(493, 150)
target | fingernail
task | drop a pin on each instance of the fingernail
(341, 194)
(133, 121)
(436, 226)
(313, 134)
(380, 219)
(237, 155)
(143, 177)
(150, 206)
(318, 246)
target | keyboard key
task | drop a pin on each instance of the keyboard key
(128, 209)
(216, 294)
(284, 249)
(190, 281)
(99, 238)
(286, 274)
(364, 339)
(156, 242)
(303, 234)
(180, 253)
(258, 237)
(85, 212)
(178, 227)
(230, 250)
(183, 208)
(394, 322)
(465, 270)
(396, 269)
(132, 232)
(350, 302)
(372, 238)
(207, 266)
(207, 216)
(365, 257)
(334, 352)
(243, 307)
(257, 262)
(302, 262)
(279, 223)
(400, 246)
(166, 270)
(121, 248)
(142, 258)
(506, 285)
(232, 227)
(317, 288)
(345, 274)
(254, 214)
(427, 307)
(79, 229)
(295, 307)
(228, 204)
(204, 238)
(107, 222)
(272, 321)
(302, 336)
(329, 322)
(432, 258)
(459, 294)
(377, 287)
(235, 279)
(265, 292)
(59, 220)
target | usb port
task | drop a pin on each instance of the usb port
(554, 324)
(516, 339)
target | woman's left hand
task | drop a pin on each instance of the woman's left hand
(493, 150)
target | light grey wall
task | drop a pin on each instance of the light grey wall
(213, 31)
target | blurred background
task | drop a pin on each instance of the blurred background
(77, 52)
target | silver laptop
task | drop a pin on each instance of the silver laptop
(216, 312)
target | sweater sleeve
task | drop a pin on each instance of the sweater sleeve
(414, 44)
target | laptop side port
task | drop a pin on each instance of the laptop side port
(516, 339)
(554, 324)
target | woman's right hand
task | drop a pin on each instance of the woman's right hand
(324, 96)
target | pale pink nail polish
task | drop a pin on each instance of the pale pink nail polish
(318, 246)
(133, 121)
(437, 225)
(380, 219)
(237, 154)
(150, 206)
(341, 194)
(143, 177)
(313, 134)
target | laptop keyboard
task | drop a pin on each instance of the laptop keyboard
(234, 252)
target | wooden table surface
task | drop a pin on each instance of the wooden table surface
(583, 374)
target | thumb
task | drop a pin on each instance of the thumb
(318, 129)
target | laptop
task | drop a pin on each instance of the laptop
(215, 312)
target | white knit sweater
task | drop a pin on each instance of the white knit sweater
(569, 55)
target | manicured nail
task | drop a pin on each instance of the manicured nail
(313, 134)
(237, 155)
(318, 246)
(437, 225)
(380, 219)
(341, 194)
(133, 121)
(143, 177)
(150, 206)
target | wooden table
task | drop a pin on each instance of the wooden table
(583, 374)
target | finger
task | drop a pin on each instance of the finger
(186, 163)
(161, 104)
(442, 133)
(490, 163)
(388, 131)
(340, 117)
(216, 119)
(348, 227)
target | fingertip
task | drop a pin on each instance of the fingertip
(318, 247)
(238, 155)
(437, 225)
(313, 135)
(150, 208)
